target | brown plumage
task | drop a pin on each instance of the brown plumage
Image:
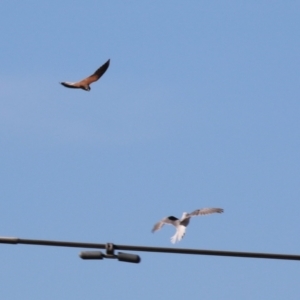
(85, 83)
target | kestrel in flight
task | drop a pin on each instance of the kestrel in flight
(85, 83)
(183, 222)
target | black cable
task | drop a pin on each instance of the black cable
(14, 240)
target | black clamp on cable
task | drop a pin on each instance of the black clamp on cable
(110, 250)
(121, 256)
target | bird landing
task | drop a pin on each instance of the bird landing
(181, 224)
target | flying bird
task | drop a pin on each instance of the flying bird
(181, 224)
(85, 83)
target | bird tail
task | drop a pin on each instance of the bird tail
(180, 232)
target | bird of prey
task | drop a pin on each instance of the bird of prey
(85, 83)
(182, 223)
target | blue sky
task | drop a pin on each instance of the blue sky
(199, 108)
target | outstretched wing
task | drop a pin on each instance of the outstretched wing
(70, 85)
(205, 211)
(169, 220)
(94, 77)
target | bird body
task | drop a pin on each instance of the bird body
(85, 83)
(181, 224)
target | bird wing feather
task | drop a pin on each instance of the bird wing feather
(94, 77)
(205, 211)
(162, 222)
(70, 85)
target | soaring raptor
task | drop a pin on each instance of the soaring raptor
(183, 222)
(85, 83)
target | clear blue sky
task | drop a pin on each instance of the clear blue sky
(199, 108)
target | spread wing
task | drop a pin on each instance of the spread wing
(70, 85)
(205, 211)
(94, 77)
(169, 220)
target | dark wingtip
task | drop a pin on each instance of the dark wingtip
(172, 218)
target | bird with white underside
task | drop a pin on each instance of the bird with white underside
(181, 224)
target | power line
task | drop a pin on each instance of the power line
(122, 256)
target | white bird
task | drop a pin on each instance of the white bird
(181, 224)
